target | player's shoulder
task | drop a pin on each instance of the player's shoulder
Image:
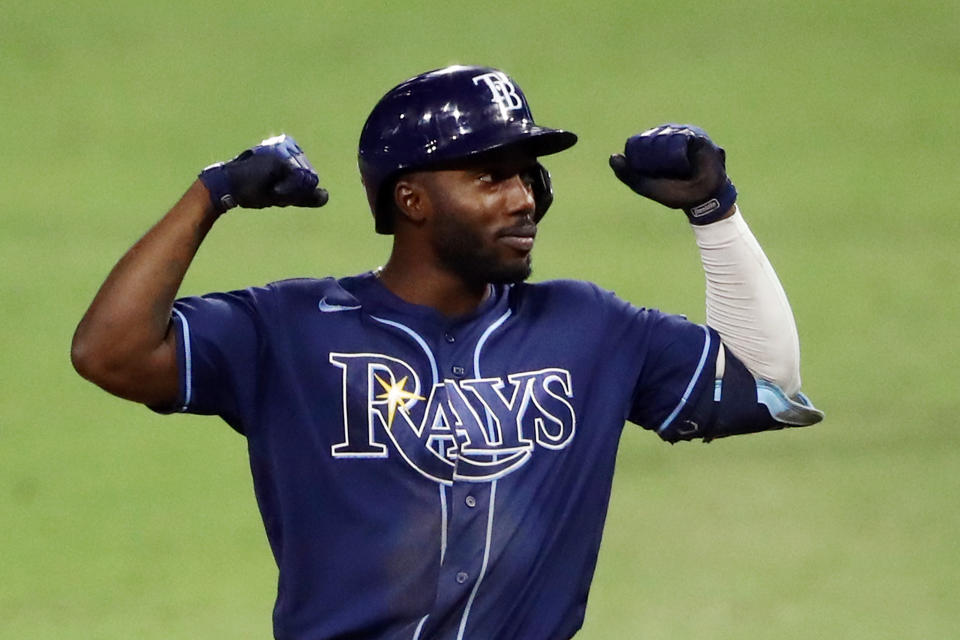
(575, 301)
(585, 299)
(276, 296)
(292, 292)
(566, 292)
(302, 286)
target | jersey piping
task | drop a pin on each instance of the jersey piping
(418, 339)
(486, 559)
(476, 361)
(693, 381)
(443, 492)
(188, 364)
(493, 485)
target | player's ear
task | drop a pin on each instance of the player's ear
(411, 199)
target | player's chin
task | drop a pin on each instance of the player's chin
(495, 265)
(512, 271)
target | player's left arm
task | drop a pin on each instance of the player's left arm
(756, 385)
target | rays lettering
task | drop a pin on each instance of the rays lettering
(475, 429)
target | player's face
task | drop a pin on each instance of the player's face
(482, 228)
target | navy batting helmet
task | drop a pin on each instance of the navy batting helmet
(444, 115)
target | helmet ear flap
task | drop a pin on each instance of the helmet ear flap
(383, 206)
(542, 191)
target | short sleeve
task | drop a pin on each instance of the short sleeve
(218, 346)
(678, 368)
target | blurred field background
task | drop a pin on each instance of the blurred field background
(840, 122)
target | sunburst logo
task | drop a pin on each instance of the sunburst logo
(396, 396)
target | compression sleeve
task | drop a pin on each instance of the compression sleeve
(746, 303)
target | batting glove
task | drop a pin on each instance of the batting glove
(679, 166)
(275, 173)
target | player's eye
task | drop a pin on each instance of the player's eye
(501, 174)
(529, 177)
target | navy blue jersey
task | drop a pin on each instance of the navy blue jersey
(427, 477)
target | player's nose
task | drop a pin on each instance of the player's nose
(520, 195)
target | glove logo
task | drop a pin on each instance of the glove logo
(502, 91)
(475, 430)
(703, 209)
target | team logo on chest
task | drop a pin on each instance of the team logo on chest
(476, 429)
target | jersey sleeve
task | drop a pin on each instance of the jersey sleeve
(678, 392)
(677, 368)
(219, 340)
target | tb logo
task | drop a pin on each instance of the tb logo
(502, 91)
(475, 429)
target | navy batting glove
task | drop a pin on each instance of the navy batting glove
(275, 173)
(679, 166)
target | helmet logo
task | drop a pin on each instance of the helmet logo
(502, 91)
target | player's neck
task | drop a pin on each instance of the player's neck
(423, 283)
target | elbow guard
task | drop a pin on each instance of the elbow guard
(740, 404)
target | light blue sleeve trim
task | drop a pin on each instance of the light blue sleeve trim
(797, 411)
(693, 381)
(188, 362)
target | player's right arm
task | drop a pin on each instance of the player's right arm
(125, 342)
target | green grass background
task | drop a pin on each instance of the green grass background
(841, 125)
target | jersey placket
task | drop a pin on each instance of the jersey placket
(471, 508)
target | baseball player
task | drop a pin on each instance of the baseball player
(432, 442)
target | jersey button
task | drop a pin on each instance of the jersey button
(449, 338)
(458, 371)
(471, 501)
(462, 577)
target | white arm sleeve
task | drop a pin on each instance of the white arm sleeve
(746, 303)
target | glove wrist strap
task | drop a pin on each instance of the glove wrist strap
(713, 208)
(217, 183)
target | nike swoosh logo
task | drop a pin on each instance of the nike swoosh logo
(326, 307)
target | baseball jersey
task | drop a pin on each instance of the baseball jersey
(434, 478)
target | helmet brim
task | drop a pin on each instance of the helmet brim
(544, 142)
(533, 141)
